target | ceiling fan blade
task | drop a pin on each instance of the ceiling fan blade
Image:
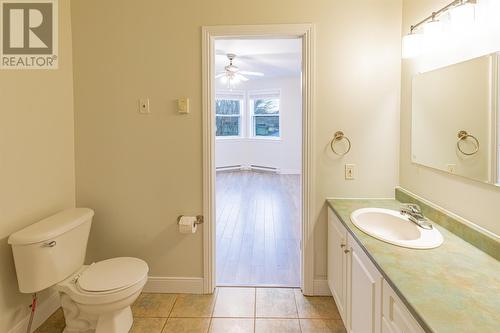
(220, 52)
(220, 75)
(241, 77)
(252, 73)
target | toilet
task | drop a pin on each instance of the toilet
(95, 298)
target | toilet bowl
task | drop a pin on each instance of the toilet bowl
(98, 297)
(95, 298)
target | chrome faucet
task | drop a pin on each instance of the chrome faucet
(415, 215)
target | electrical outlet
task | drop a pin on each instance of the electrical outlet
(183, 105)
(144, 106)
(451, 168)
(350, 171)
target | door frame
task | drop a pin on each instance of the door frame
(209, 34)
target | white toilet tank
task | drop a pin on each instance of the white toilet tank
(49, 251)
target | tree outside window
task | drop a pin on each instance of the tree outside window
(228, 117)
(266, 116)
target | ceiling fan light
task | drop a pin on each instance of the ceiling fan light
(232, 68)
(241, 77)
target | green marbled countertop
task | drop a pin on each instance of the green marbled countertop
(453, 288)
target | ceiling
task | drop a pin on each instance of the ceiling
(273, 57)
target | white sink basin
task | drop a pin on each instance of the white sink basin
(392, 227)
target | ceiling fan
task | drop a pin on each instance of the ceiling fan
(232, 73)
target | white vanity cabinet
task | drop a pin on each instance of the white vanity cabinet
(365, 291)
(366, 303)
(337, 262)
(395, 316)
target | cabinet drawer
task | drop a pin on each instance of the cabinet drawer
(395, 316)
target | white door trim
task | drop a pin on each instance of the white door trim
(209, 35)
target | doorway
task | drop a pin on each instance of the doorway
(258, 139)
(260, 207)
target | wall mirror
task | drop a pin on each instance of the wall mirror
(455, 122)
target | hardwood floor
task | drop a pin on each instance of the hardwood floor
(258, 229)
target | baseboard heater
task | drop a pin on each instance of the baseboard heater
(247, 168)
(229, 168)
(263, 168)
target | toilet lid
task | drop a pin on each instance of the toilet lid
(112, 274)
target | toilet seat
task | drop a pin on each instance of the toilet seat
(116, 278)
(112, 275)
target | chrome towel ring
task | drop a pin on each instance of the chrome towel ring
(462, 136)
(337, 137)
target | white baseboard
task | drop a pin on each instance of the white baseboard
(183, 285)
(44, 310)
(321, 288)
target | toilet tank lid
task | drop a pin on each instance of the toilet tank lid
(51, 227)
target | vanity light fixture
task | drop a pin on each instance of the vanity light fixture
(412, 45)
(463, 16)
(433, 28)
(461, 12)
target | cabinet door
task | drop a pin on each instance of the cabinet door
(395, 317)
(337, 262)
(365, 286)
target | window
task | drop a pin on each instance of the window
(265, 109)
(228, 113)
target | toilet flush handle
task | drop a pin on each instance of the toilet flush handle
(50, 244)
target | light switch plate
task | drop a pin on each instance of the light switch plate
(183, 105)
(350, 171)
(144, 106)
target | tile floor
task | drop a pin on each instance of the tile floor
(228, 310)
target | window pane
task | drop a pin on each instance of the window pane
(266, 106)
(227, 106)
(227, 126)
(267, 126)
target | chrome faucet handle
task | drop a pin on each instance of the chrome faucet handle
(421, 222)
(414, 208)
(415, 215)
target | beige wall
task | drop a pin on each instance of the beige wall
(472, 200)
(139, 172)
(36, 157)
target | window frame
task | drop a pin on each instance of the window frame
(253, 95)
(242, 98)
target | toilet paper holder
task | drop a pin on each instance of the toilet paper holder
(199, 219)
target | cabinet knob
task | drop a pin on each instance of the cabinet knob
(347, 251)
(342, 246)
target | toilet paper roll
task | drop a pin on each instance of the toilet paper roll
(187, 225)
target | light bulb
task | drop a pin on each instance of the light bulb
(433, 33)
(412, 45)
(433, 28)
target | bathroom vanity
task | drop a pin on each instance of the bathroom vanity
(384, 288)
(364, 299)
